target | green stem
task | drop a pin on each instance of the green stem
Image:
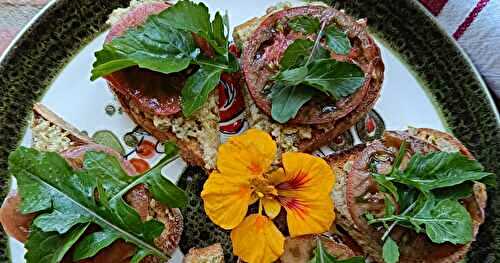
(396, 221)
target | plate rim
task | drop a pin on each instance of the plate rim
(24, 33)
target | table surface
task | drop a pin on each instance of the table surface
(473, 23)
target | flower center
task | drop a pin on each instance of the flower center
(263, 187)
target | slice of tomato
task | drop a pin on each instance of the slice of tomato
(268, 42)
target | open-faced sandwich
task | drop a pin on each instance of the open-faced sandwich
(125, 219)
(311, 73)
(163, 62)
(415, 195)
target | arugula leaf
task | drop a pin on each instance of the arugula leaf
(322, 256)
(71, 200)
(90, 245)
(305, 24)
(109, 171)
(189, 16)
(439, 170)
(444, 220)
(455, 192)
(385, 185)
(389, 208)
(287, 100)
(139, 255)
(50, 247)
(297, 53)
(65, 214)
(337, 40)
(151, 46)
(390, 251)
(337, 79)
(197, 88)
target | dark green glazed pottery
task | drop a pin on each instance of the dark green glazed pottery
(455, 87)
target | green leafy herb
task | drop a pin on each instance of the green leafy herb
(389, 208)
(428, 190)
(444, 220)
(56, 245)
(191, 17)
(165, 43)
(197, 88)
(337, 40)
(336, 79)
(287, 100)
(66, 200)
(297, 53)
(390, 251)
(305, 24)
(322, 256)
(93, 243)
(162, 49)
(440, 169)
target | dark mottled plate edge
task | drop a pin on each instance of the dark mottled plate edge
(469, 113)
(52, 38)
(57, 34)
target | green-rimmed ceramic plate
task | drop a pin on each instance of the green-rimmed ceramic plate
(429, 82)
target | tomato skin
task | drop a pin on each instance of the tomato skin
(146, 149)
(140, 165)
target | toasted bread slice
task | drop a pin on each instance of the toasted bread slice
(210, 254)
(341, 163)
(51, 133)
(301, 249)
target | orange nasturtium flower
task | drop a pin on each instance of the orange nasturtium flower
(244, 176)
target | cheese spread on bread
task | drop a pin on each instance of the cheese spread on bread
(48, 137)
(203, 127)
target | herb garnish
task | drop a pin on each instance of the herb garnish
(322, 256)
(306, 64)
(69, 200)
(427, 192)
(164, 43)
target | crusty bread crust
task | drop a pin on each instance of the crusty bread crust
(41, 111)
(340, 163)
(210, 254)
(189, 149)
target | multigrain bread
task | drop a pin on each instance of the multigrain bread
(369, 239)
(52, 133)
(210, 254)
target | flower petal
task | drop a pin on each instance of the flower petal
(304, 191)
(226, 199)
(250, 153)
(305, 217)
(305, 172)
(257, 240)
(271, 206)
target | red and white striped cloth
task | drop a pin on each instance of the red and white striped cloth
(475, 24)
